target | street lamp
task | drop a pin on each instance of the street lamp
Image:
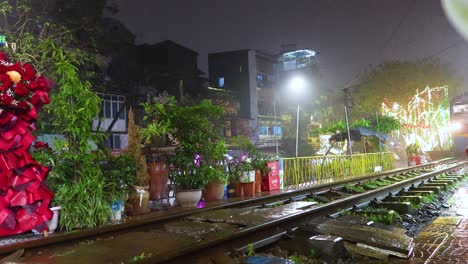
(297, 86)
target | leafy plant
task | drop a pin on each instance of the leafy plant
(213, 174)
(250, 250)
(140, 257)
(119, 174)
(428, 198)
(80, 186)
(185, 174)
(383, 216)
(383, 182)
(352, 188)
(159, 114)
(197, 128)
(413, 149)
(84, 201)
(296, 259)
(371, 185)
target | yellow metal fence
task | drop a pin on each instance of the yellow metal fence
(306, 171)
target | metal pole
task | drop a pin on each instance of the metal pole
(275, 130)
(297, 131)
(377, 119)
(350, 151)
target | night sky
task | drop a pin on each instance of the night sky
(349, 35)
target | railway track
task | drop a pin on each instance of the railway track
(220, 229)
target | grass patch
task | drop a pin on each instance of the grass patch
(310, 199)
(383, 182)
(380, 215)
(428, 198)
(377, 215)
(371, 185)
(273, 205)
(351, 188)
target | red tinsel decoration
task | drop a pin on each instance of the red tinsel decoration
(24, 199)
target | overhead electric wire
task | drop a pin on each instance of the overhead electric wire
(398, 26)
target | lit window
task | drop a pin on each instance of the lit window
(278, 131)
(221, 82)
(111, 105)
(260, 78)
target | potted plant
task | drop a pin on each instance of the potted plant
(414, 151)
(157, 130)
(234, 187)
(197, 128)
(247, 177)
(216, 179)
(188, 179)
(119, 174)
(138, 200)
(259, 163)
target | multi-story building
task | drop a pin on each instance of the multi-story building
(143, 71)
(258, 80)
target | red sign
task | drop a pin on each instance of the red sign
(274, 168)
(271, 183)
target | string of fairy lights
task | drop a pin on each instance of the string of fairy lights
(425, 120)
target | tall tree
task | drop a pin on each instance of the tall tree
(398, 81)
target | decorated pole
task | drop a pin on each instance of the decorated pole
(24, 199)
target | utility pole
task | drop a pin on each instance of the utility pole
(346, 105)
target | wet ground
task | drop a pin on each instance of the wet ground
(439, 229)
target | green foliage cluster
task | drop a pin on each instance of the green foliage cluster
(398, 81)
(381, 124)
(119, 174)
(387, 218)
(428, 198)
(246, 158)
(378, 215)
(413, 149)
(159, 117)
(48, 34)
(81, 187)
(197, 130)
(250, 250)
(383, 182)
(353, 188)
(371, 185)
(83, 201)
(213, 174)
(141, 257)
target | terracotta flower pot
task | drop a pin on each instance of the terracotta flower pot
(248, 188)
(239, 192)
(214, 192)
(158, 180)
(258, 181)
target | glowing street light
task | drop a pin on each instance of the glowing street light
(297, 86)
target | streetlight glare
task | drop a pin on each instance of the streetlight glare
(297, 84)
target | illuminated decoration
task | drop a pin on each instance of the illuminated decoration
(297, 59)
(426, 119)
(3, 40)
(14, 76)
